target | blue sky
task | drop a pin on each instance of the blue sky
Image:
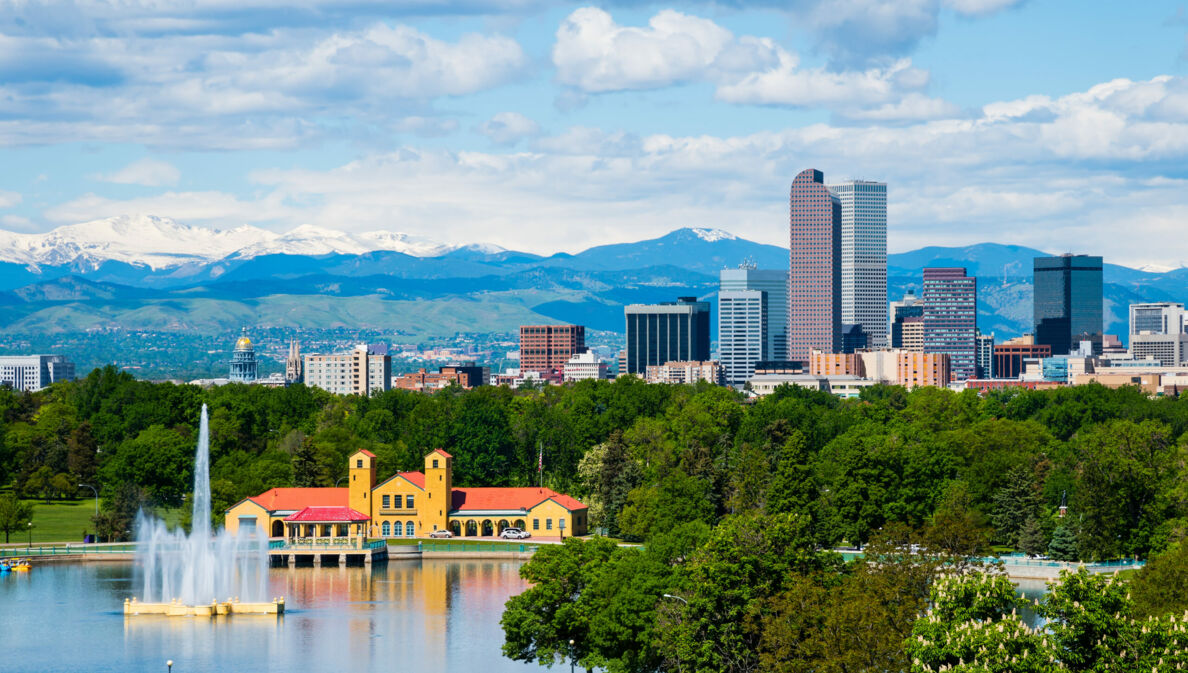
(545, 126)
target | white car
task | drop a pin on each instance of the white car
(441, 532)
(515, 534)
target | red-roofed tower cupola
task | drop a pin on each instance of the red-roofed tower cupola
(439, 483)
(361, 475)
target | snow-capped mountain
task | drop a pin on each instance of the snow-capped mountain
(159, 242)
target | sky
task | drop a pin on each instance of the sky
(550, 126)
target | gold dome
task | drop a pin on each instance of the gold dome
(243, 343)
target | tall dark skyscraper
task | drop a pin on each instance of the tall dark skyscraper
(814, 274)
(951, 318)
(1068, 302)
(671, 331)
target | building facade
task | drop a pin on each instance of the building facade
(924, 369)
(742, 332)
(863, 264)
(414, 504)
(814, 267)
(546, 348)
(774, 284)
(951, 318)
(294, 369)
(836, 364)
(671, 331)
(1010, 358)
(362, 371)
(243, 361)
(584, 366)
(908, 307)
(1068, 302)
(1159, 331)
(30, 373)
(985, 355)
(685, 372)
(466, 376)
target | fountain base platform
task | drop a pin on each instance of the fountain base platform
(214, 609)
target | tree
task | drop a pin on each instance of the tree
(677, 499)
(793, 488)
(1161, 587)
(41, 482)
(307, 471)
(955, 527)
(1031, 539)
(1063, 546)
(1090, 622)
(1016, 503)
(15, 515)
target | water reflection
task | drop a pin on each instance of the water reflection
(406, 616)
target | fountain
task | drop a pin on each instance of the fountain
(201, 574)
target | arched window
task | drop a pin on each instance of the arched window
(471, 528)
(409, 529)
(488, 529)
(387, 529)
(397, 529)
(456, 528)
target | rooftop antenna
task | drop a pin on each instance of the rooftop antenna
(748, 264)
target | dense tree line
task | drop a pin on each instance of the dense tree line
(649, 459)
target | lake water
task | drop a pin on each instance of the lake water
(429, 615)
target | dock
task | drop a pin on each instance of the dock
(282, 553)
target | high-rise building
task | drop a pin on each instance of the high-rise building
(1159, 331)
(854, 339)
(30, 373)
(742, 332)
(293, 369)
(814, 273)
(361, 371)
(243, 361)
(546, 348)
(773, 283)
(665, 332)
(911, 332)
(985, 354)
(1068, 302)
(864, 257)
(908, 307)
(951, 318)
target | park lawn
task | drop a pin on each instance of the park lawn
(65, 520)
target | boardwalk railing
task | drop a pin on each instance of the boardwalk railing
(462, 546)
(68, 550)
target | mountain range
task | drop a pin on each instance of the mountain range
(150, 273)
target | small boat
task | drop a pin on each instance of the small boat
(21, 564)
(4, 567)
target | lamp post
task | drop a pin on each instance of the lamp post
(96, 496)
(169, 666)
(30, 544)
(571, 655)
(339, 481)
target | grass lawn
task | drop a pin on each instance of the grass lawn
(65, 521)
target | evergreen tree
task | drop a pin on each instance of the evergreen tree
(793, 488)
(1015, 503)
(1031, 538)
(1064, 545)
(307, 470)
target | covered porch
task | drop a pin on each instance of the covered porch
(326, 527)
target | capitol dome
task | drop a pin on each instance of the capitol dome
(243, 344)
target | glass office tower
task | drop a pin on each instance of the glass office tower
(814, 268)
(667, 332)
(951, 318)
(1068, 302)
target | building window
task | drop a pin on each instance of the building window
(548, 524)
(387, 527)
(536, 524)
(434, 463)
(359, 463)
(387, 502)
(408, 502)
(396, 504)
(409, 529)
(396, 527)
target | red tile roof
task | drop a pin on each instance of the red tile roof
(327, 515)
(442, 452)
(366, 453)
(464, 499)
(417, 479)
(295, 498)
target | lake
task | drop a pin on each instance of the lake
(428, 615)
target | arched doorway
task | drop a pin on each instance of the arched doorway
(520, 524)
(456, 528)
(471, 528)
(501, 525)
(487, 528)
(278, 528)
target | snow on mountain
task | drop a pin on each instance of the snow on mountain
(714, 235)
(159, 242)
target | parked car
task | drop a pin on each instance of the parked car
(441, 532)
(515, 534)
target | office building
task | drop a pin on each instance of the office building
(863, 264)
(361, 371)
(814, 276)
(465, 376)
(911, 332)
(666, 332)
(685, 372)
(293, 364)
(546, 348)
(1068, 302)
(908, 307)
(243, 361)
(1159, 331)
(951, 318)
(742, 332)
(985, 354)
(1010, 357)
(836, 364)
(774, 284)
(30, 373)
(585, 366)
(854, 339)
(924, 369)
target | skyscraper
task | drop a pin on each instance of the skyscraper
(752, 319)
(1068, 302)
(814, 276)
(908, 307)
(546, 348)
(666, 332)
(863, 262)
(985, 354)
(951, 318)
(1159, 331)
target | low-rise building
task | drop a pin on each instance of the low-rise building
(923, 369)
(686, 372)
(465, 376)
(583, 366)
(361, 371)
(763, 385)
(33, 372)
(836, 364)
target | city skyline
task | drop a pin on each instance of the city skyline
(376, 117)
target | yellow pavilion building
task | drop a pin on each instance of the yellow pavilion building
(414, 504)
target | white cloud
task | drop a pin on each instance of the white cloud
(426, 127)
(787, 84)
(509, 128)
(9, 199)
(147, 172)
(980, 7)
